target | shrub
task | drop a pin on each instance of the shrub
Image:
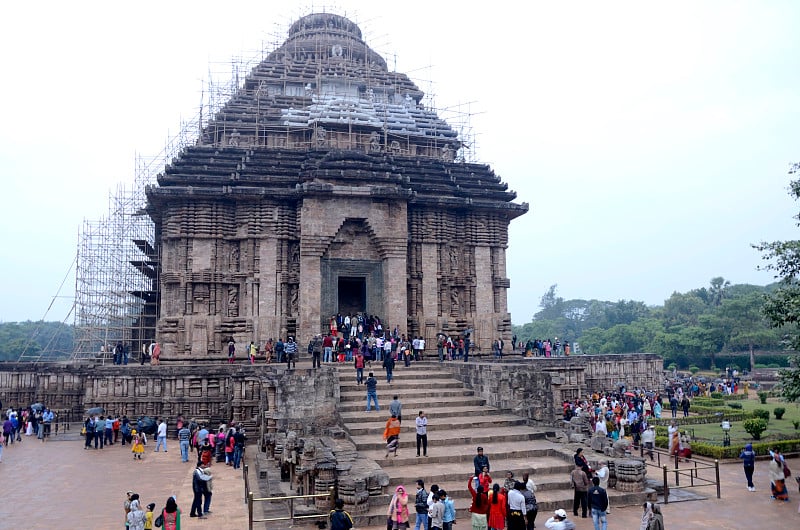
(694, 369)
(796, 425)
(716, 395)
(763, 397)
(761, 413)
(737, 406)
(672, 366)
(707, 402)
(755, 427)
(779, 412)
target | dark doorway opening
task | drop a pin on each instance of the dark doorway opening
(352, 295)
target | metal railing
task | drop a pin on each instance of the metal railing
(693, 473)
(251, 499)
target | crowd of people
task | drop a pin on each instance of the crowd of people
(36, 420)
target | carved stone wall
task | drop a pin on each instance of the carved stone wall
(303, 401)
(536, 388)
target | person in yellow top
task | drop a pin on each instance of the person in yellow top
(392, 435)
(138, 445)
(148, 516)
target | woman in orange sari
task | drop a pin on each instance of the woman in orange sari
(497, 508)
(392, 435)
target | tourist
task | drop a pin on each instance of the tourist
(231, 351)
(436, 513)
(358, 362)
(449, 517)
(161, 435)
(559, 521)
(580, 483)
(239, 441)
(530, 485)
(657, 521)
(421, 506)
(115, 426)
(531, 506)
(649, 440)
(280, 351)
(154, 359)
(372, 392)
(485, 479)
(184, 435)
(207, 493)
(480, 461)
(388, 365)
(398, 509)
(291, 353)
(135, 518)
(748, 457)
(479, 508)
(199, 488)
(171, 515)
(516, 507)
(674, 439)
(777, 476)
(327, 346)
(396, 408)
(99, 432)
(647, 515)
(47, 421)
(508, 484)
(88, 431)
(148, 516)
(422, 433)
(268, 347)
(496, 519)
(391, 433)
(205, 452)
(340, 519)
(138, 445)
(126, 504)
(598, 502)
(603, 475)
(316, 352)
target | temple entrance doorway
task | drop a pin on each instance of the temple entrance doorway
(352, 295)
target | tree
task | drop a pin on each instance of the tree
(790, 381)
(717, 291)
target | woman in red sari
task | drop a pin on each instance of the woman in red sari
(777, 477)
(497, 508)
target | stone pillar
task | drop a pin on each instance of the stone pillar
(430, 281)
(309, 297)
(484, 291)
(268, 300)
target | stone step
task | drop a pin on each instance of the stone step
(415, 405)
(385, 395)
(458, 458)
(439, 411)
(447, 438)
(408, 428)
(412, 384)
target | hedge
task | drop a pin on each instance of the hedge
(721, 453)
(729, 414)
(708, 402)
(729, 397)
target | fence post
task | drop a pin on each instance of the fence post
(666, 486)
(250, 510)
(677, 473)
(246, 477)
(716, 470)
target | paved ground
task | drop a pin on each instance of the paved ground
(59, 485)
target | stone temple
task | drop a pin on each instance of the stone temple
(324, 186)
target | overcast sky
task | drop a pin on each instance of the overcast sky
(651, 140)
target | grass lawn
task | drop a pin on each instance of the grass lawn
(712, 432)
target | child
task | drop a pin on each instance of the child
(138, 445)
(148, 516)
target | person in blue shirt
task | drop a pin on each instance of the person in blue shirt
(748, 457)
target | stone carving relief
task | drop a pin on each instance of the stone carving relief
(447, 153)
(234, 257)
(320, 137)
(233, 301)
(200, 297)
(454, 260)
(455, 301)
(293, 300)
(375, 142)
(395, 147)
(233, 141)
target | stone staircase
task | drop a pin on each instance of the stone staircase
(458, 422)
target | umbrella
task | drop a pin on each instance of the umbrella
(95, 410)
(147, 425)
(631, 394)
(37, 406)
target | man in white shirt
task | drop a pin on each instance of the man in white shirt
(422, 433)
(516, 507)
(161, 435)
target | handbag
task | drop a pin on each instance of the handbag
(786, 471)
(159, 522)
